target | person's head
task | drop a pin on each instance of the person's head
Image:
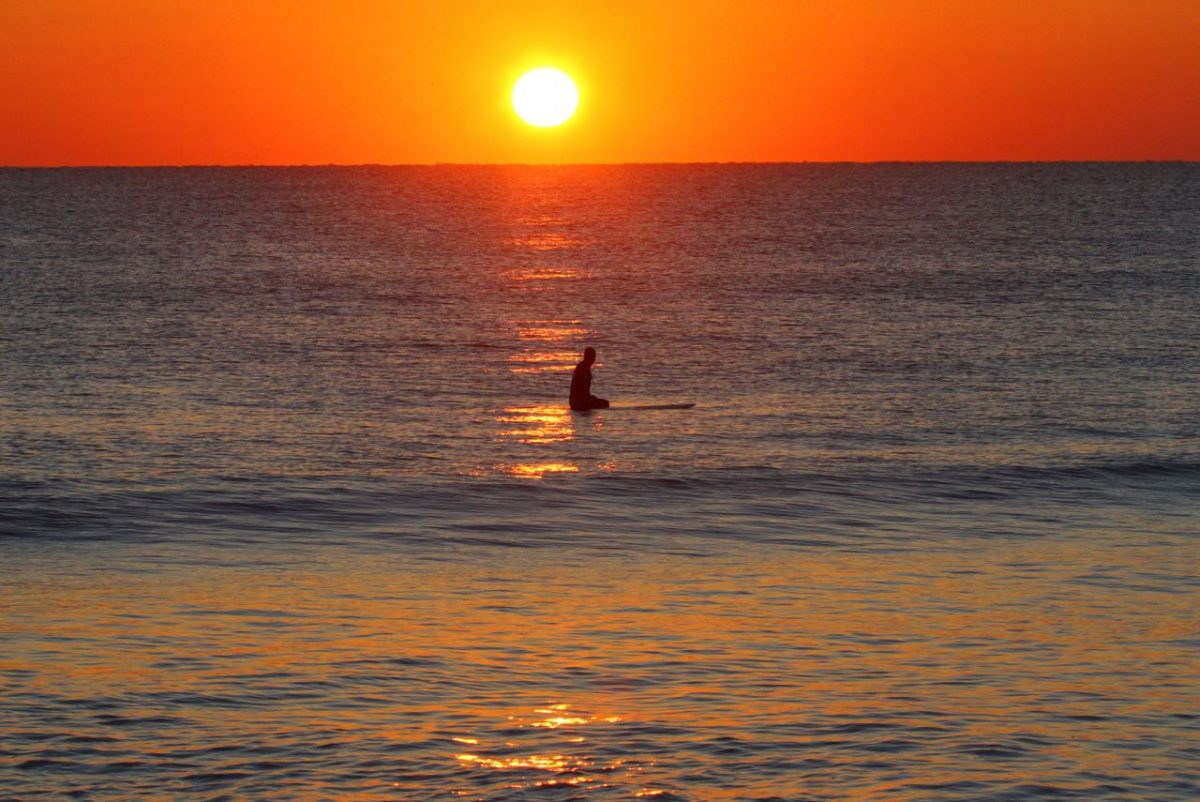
(589, 355)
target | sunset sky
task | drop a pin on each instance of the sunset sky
(138, 82)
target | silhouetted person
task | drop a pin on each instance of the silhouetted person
(581, 384)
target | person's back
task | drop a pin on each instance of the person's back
(581, 384)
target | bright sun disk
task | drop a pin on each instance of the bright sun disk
(545, 97)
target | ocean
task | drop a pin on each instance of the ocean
(292, 505)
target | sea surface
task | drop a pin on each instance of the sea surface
(292, 507)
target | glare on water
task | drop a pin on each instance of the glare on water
(292, 505)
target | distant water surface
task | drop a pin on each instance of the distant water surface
(291, 505)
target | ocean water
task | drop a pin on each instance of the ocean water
(292, 507)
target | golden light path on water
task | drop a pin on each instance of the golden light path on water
(793, 673)
(542, 341)
(568, 769)
(538, 274)
(323, 528)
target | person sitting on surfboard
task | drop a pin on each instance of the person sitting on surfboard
(581, 384)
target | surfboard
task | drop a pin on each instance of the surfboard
(619, 407)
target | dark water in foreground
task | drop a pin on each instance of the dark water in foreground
(291, 505)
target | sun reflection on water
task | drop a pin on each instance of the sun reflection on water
(570, 769)
(539, 425)
(557, 718)
(543, 423)
(550, 241)
(540, 470)
(539, 274)
(535, 220)
(538, 762)
(543, 362)
(549, 330)
(549, 341)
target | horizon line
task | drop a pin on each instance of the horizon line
(322, 165)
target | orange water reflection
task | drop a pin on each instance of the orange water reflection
(550, 330)
(787, 649)
(549, 241)
(558, 717)
(544, 274)
(546, 423)
(538, 425)
(544, 332)
(542, 229)
(537, 220)
(571, 769)
(543, 362)
(539, 470)
(540, 762)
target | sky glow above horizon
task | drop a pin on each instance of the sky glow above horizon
(140, 82)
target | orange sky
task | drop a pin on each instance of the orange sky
(379, 81)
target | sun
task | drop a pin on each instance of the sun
(545, 97)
